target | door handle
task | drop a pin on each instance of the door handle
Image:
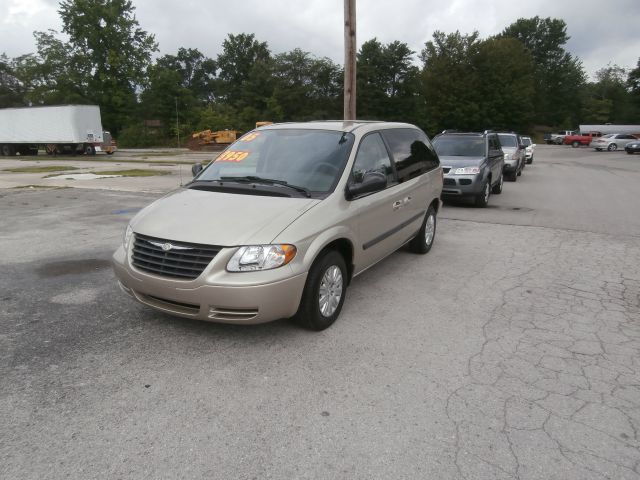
(397, 204)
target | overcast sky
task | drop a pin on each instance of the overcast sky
(601, 33)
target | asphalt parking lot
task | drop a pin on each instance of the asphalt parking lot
(510, 351)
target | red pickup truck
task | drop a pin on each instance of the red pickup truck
(580, 139)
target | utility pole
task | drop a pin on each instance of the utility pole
(349, 59)
(177, 123)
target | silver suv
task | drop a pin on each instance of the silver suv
(514, 155)
(472, 165)
(282, 220)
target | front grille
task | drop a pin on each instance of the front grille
(449, 181)
(183, 260)
(465, 181)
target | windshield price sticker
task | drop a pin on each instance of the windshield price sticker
(231, 156)
(250, 137)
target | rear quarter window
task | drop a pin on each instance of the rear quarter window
(411, 152)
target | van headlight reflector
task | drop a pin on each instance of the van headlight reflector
(261, 257)
(126, 237)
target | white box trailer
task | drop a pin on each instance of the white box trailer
(63, 128)
(611, 128)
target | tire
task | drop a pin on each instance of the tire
(512, 176)
(8, 150)
(423, 241)
(575, 144)
(530, 161)
(89, 150)
(325, 273)
(482, 200)
(109, 153)
(630, 153)
(497, 188)
(612, 147)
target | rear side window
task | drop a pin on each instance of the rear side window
(494, 144)
(411, 151)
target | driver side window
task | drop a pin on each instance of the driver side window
(372, 156)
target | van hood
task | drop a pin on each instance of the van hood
(509, 150)
(459, 162)
(216, 218)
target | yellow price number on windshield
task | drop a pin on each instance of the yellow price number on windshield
(250, 137)
(231, 156)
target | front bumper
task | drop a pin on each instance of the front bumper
(460, 185)
(214, 301)
(631, 149)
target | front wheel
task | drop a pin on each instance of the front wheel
(497, 188)
(324, 292)
(423, 241)
(482, 199)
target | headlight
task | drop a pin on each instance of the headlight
(261, 257)
(126, 238)
(467, 171)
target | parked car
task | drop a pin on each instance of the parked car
(472, 164)
(581, 139)
(632, 147)
(529, 148)
(514, 155)
(558, 138)
(282, 220)
(612, 141)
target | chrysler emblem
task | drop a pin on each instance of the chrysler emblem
(166, 247)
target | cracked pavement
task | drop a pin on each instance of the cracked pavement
(510, 351)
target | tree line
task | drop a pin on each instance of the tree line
(521, 79)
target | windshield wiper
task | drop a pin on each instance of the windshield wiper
(267, 181)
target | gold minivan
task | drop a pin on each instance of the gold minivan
(282, 220)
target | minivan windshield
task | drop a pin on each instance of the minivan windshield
(312, 160)
(526, 141)
(507, 140)
(459, 146)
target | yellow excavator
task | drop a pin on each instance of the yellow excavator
(212, 140)
(216, 140)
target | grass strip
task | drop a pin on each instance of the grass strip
(40, 169)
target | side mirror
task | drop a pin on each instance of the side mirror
(371, 182)
(196, 168)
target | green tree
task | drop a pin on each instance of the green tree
(106, 40)
(633, 83)
(245, 74)
(55, 74)
(305, 87)
(196, 72)
(448, 80)
(11, 88)
(388, 82)
(559, 77)
(503, 85)
(471, 84)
